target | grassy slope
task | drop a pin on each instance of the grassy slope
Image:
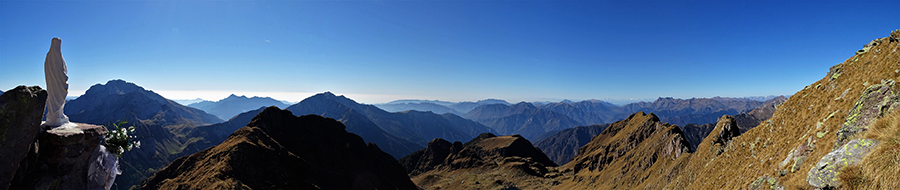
(795, 122)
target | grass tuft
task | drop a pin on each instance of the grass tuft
(879, 169)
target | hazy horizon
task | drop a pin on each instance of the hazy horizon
(379, 51)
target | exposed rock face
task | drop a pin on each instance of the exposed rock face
(21, 110)
(64, 156)
(504, 161)
(826, 171)
(876, 101)
(278, 150)
(623, 153)
(725, 130)
(563, 146)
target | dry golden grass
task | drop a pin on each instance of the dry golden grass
(881, 168)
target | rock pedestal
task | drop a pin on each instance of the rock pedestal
(64, 155)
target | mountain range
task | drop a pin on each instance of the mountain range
(534, 120)
(398, 133)
(437, 106)
(522, 118)
(160, 124)
(233, 105)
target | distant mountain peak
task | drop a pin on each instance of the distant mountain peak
(116, 86)
(492, 101)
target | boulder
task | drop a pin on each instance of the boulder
(876, 101)
(21, 110)
(825, 173)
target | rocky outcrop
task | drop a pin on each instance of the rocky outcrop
(483, 150)
(726, 129)
(825, 173)
(562, 146)
(21, 110)
(488, 150)
(432, 156)
(488, 161)
(278, 150)
(64, 158)
(876, 101)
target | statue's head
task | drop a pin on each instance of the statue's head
(55, 43)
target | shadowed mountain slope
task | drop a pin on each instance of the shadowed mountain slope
(278, 150)
(562, 146)
(211, 135)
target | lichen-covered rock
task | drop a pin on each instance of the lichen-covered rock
(825, 173)
(876, 101)
(21, 110)
(835, 71)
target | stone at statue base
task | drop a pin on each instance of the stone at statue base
(64, 155)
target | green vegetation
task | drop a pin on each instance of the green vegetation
(121, 139)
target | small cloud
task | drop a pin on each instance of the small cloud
(175, 30)
(267, 41)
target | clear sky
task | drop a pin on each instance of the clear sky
(377, 51)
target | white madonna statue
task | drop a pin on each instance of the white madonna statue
(57, 85)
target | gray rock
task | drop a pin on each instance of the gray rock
(64, 157)
(825, 173)
(876, 101)
(21, 110)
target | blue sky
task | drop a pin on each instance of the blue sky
(377, 51)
